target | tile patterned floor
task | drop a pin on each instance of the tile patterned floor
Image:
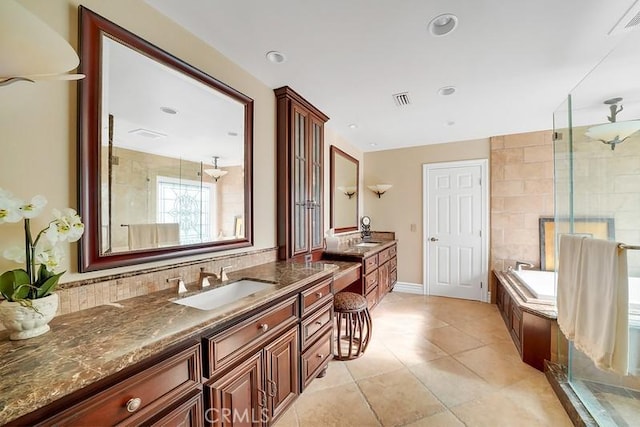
(431, 362)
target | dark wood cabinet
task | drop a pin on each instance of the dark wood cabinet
(239, 397)
(531, 333)
(282, 373)
(300, 175)
(166, 388)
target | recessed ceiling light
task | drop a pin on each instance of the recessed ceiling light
(168, 110)
(443, 24)
(450, 123)
(373, 144)
(231, 133)
(276, 57)
(353, 126)
(447, 90)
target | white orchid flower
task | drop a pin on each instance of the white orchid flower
(66, 226)
(50, 256)
(33, 208)
(9, 205)
(15, 253)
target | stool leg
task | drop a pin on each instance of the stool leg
(338, 343)
(352, 331)
(367, 318)
(361, 337)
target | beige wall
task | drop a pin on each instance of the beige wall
(521, 192)
(400, 208)
(38, 121)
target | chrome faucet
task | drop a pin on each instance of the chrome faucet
(204, 278)
(182, 288)
(223, 273)
(521, 264)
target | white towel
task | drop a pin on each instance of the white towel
(570, 253)
(168, 234)
(602, 311)
(143, 236)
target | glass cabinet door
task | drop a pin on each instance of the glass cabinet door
(316, 177)
(299, 182)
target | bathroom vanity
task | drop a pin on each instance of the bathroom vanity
(148, 360)
(379, 267)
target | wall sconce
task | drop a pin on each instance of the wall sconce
(30, 49)
(613, 133)
(215, 173)
(348, 191)
(379, 189)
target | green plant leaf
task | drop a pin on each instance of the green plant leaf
(14, 284)
(44, 274)
(49, 285)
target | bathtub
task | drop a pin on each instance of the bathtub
(542, 286)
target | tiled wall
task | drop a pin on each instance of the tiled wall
(76, 296)
(521, 192)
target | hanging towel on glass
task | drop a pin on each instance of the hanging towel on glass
(568, 269)
(602, 310)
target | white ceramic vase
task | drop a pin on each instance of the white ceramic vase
(28, 322)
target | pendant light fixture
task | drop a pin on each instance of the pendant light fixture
(30, 49)
(215, 173)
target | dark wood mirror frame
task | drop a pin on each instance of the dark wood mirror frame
(92, 27)
(335, 151)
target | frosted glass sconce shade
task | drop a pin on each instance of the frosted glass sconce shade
(379, 189)
(348, 191)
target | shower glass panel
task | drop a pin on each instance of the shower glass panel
(594, 182)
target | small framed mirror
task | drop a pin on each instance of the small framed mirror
(165, 153)
(344, 191)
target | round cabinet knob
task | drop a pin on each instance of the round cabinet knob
(434, 239)
(319, 355)
(263, 327)
(319, 294)
(134, 404)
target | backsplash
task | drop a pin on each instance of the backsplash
(80, 295)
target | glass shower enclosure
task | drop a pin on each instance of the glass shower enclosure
(597, 193)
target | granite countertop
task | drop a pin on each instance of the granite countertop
(524, 298)
(352, 250)
(90, 345)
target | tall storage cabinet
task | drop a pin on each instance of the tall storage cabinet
(300, 142)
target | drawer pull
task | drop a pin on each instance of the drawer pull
(263, 398)
(318, 322)
(134, 404)
(319, 355)
(319, 294)
(263, 327)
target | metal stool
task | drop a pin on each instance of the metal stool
(352, 315)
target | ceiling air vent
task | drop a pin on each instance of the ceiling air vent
(629, 21)
(401, 99)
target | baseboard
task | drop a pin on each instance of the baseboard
(409, 288)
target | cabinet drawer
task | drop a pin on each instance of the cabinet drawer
(383, 256)
(372, 298)
(393, 250)
(370, 281)
(315, 323)
(316, 296)
(370, 264)
(228, 346)
(140, 396)
(316, 357)
(393, 263)
(187, 414)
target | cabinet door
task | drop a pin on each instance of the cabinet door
(383, 280)
(188, 414)
(299, 182)
(282, 373)
(315, 183)
(238, 398)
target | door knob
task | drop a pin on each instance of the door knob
(434, 239)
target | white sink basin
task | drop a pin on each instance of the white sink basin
(224, 294)
(367, 245)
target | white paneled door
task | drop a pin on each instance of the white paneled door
(456, 229)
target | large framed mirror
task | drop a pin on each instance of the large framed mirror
(344, 191)
(165, 153)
